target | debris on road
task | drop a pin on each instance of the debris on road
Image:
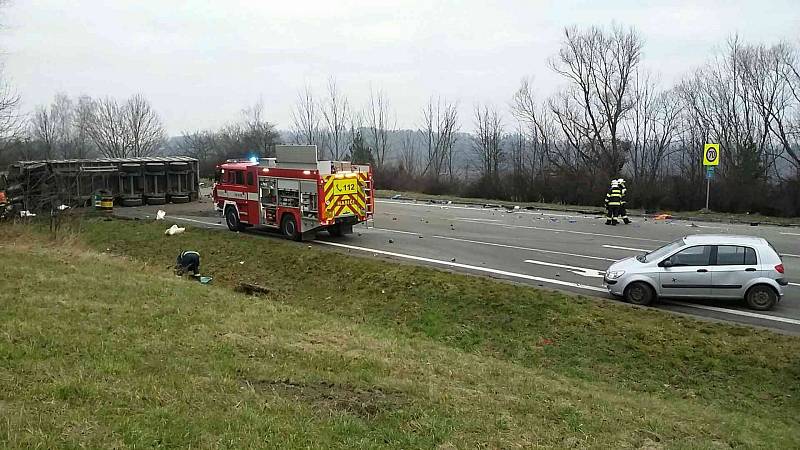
(662, 217)
(396, 197)
(161, 214)
(391, 241)
(173, 230)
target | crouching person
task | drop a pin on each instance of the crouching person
(188, 261)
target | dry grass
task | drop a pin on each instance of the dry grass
(102, 347)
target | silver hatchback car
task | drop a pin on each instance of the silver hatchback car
(702, 266)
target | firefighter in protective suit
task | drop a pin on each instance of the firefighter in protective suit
(613, 203)
(623, 212)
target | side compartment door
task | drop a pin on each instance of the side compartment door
(686, 273)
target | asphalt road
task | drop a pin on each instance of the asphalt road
(542, 248)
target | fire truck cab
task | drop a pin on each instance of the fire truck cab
(295, 193)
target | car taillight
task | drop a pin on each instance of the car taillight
(779, 268)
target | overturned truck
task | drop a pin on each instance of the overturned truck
(47, 184)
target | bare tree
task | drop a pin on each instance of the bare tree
(146, 135)
(439, 130)
(306, 120)
(107, 128)
(259, 134)
(43, 130)
(599, 66)
(487, 141)
(82, 117)
(409, 159)
(336, 113)
(651, 128)
(380, 125)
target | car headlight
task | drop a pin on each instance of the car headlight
(614, 274)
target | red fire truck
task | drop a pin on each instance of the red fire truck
(295, 193)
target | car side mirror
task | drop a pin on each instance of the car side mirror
(666, 263)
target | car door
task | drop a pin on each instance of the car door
(686, 273)
(732, 268)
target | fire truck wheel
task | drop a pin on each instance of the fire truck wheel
(289, 227)
(232, 219)
(335, 230)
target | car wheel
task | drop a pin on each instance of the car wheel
(640, 293)
(289, 227)
(761, 298)
(232, 219)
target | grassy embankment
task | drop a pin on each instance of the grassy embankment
(102, 347)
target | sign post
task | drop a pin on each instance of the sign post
(710, 161)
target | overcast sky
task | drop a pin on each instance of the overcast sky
(201, 62)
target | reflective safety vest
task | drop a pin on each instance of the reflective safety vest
(624, 191)
(614, 197)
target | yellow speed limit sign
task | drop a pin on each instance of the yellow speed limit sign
(711, 155)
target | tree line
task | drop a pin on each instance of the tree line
(610, 118)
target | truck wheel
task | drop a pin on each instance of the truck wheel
(761, 297)
(335, 231)
(289, 227)
(639, 293)
(232, 219)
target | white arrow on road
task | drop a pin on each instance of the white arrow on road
(582, 271)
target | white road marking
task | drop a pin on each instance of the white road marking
(477, 220)
(582, 271)
(199, 221)
(396, 231)
(736, 312)
(466, 266)
(789, 254)
(626, 248)
(794, 284)
(521, 248)
(477, 208)
(574, 232)
(791, 234)
(530, 249)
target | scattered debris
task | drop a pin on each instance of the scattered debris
(391, 241)
(452, 260)
(62, 207)
(572, 221)
(692, 225)
(241, 262)
(420, 236)
(396, 196)
(161, 214)
(662, 217)
(754, 224)
(205, 280)
(173, 230)
(26, 213)
(394, 218)
(516, 207)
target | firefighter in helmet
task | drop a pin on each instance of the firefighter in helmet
(613, 203)
(623, 212)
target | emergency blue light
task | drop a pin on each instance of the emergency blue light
(254, 159)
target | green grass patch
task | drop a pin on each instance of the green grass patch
(100, 346)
